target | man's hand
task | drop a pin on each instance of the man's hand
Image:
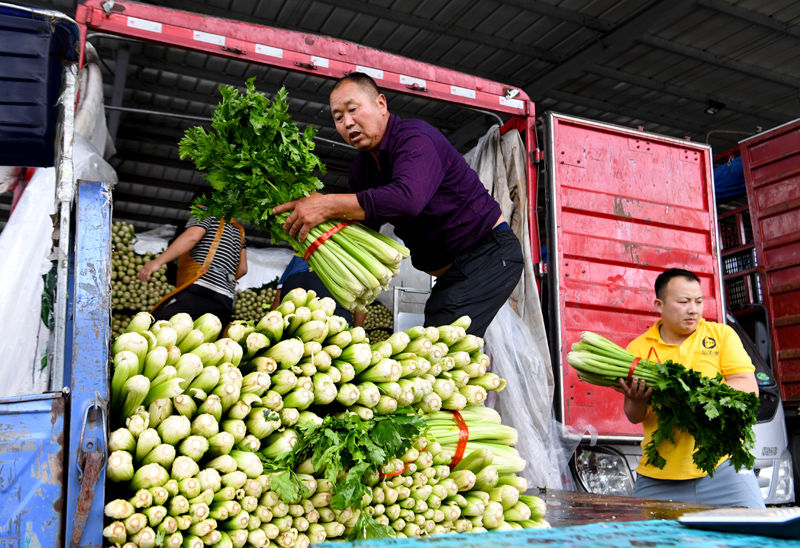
(638, 389)
(149, 269)
(318, 208)
(636, 396)
(307, 213)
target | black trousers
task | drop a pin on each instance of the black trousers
(478, 283)
(196, 301)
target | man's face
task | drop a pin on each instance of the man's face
(682, 306)
(360, 117)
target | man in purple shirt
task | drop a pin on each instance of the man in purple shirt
(408, 174)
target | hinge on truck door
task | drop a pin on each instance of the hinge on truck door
(540, 269)
(537, 156)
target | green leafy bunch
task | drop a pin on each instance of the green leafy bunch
(255, 158)
(720, 418)
(347, 451)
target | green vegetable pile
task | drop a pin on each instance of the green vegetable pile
(255, 159)
(295, 430)
(128, 293)
(720, 418)
(251, 304)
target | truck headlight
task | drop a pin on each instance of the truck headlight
(784, 481)
(603, 472)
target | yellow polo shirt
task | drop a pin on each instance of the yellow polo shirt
(713, 348)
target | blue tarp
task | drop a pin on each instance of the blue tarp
(729, 180)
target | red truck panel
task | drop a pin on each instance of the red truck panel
(771, 163)
(625, 205)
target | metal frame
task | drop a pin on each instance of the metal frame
(91, 332)
(318, 56)
(299, 52)
(65, 194)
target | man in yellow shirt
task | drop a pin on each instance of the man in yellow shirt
(683, 336)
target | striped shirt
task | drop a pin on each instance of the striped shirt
(221, 275)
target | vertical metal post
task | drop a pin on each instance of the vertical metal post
(120, 76)
(89, 383)
(65, 192)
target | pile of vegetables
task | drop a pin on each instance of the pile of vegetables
(129, 294)
(720, 418)
(379, 322)
(295, 430)
(251, 304)
(255, 159)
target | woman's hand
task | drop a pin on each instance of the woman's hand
(149, 269)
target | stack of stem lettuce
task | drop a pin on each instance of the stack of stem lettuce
(255, 159)
(200, 425)
(720, 418)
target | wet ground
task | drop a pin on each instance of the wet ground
(566, 508)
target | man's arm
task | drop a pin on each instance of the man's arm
(317, 208)
(746, 382)
(182, 244)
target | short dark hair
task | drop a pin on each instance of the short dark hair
(665, 277)
(365, 81)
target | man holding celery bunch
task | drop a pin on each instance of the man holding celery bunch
(409, 175)
(682, 335)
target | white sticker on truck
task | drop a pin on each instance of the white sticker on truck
(375, 73)
(144, 24)
(261, 49)
(462, 92)
(209, 38)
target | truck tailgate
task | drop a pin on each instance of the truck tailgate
(771, 163)
(624, 205)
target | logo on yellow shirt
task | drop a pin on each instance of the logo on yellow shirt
(709, 343)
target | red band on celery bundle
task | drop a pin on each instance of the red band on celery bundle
(393, 474)
(634, 363)
(463, 438)
(322, 239)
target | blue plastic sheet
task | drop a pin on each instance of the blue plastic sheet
(729, 180)
(653, 534)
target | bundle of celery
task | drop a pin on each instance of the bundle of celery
(203, 429)
(255, 159)
(720, 418)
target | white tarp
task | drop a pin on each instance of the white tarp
(25, 245)
(500, 163)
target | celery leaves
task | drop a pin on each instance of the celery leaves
(720, 418)
(255, 158)
(349, 452)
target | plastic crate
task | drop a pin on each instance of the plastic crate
(33, 49)
(737, 262)
(737, 292)
(728, 233)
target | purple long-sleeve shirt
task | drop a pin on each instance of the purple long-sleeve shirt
(426, 189)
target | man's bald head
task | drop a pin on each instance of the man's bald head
(365, 82)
